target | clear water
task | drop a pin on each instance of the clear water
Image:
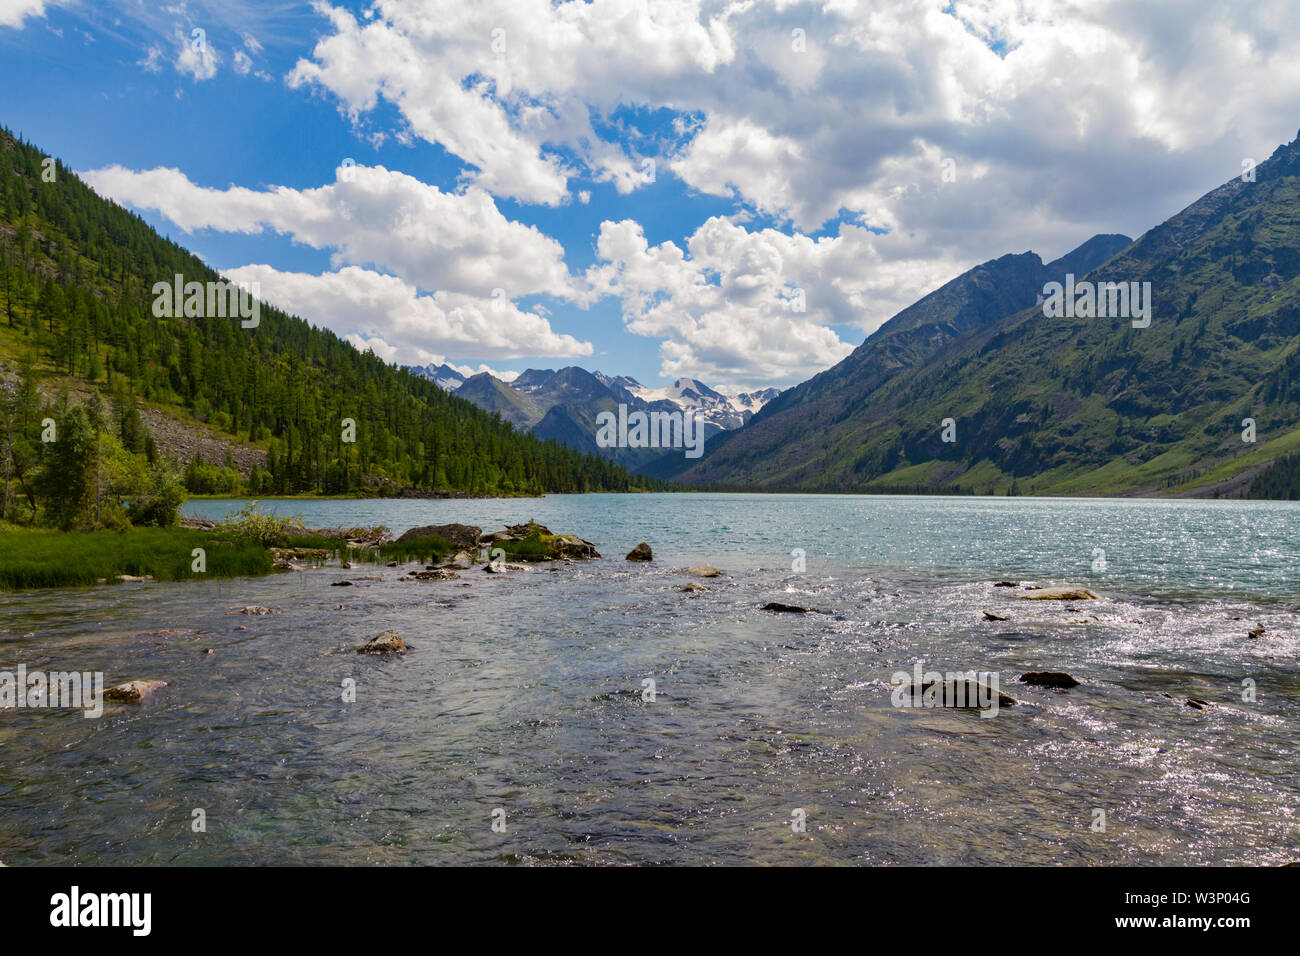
(523, 692)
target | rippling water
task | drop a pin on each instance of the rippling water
(523, 692)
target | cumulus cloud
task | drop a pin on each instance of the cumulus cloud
(458, 242)
(738, 306)
(807, 109)
(384, 313)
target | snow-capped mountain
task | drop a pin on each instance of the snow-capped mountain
(725, 412)
(563, 404)
(444, 376)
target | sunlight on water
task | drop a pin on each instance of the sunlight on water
(524, 692)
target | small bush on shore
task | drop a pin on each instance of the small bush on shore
(251, 523)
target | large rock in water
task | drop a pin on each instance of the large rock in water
(132, 692)
(962, 692)
(1059, 594)
(459, 536)
(1049, 679)
(389, 642)
(641, 552)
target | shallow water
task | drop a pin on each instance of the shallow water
(523, 692)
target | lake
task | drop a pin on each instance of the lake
(524, 701)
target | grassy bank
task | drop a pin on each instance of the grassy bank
(41, 558)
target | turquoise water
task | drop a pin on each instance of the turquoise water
(1167, 546)
(523, 693)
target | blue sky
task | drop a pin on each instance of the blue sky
(798, 199)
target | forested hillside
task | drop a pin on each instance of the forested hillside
(76, 307)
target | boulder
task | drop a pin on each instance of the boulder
(134, 578)
(1049, 679)
(1257, 631)
(389, 642)
(134, 691)
(571, 546)
(949, 690)
(641, 552)
(460, 536)
(779, 608)
(693, 587)
(704, 571)
(340, 584)
(990, 616)
(1006, 584)
(255, 609)
(1059, 594)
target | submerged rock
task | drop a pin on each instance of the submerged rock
(1059, 594)
(1257, 631)
(692, 587)
(255, 609)
(132, 692)
(1197, 703)
(704, 571)
(1006, 584)
(780, 608)
(389, 642)
(990, 616)
(641, 552)
(1049, 679)
(433, 574)
(340, 584)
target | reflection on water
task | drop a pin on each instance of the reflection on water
(524, 692)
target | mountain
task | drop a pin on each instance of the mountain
(562, 405)
(495, 396)
(1065, 405)
(296, 408)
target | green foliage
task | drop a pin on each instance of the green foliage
(1281, 480)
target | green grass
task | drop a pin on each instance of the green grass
(38, 558)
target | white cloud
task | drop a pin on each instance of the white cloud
(738, 306)
(457, 242)
(384, 313)
(805, 129)
(243, 63)
(13, 12)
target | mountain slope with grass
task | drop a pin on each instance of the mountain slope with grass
(76, 303)
(1066, 405)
